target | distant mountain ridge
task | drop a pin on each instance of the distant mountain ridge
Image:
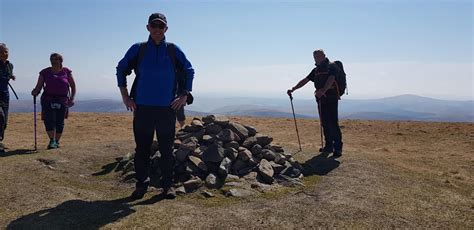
(403, 107)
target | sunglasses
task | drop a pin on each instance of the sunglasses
(157, 25)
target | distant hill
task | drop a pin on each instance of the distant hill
(403, 107)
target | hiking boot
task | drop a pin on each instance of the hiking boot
(138, 193)
(170, 193)
(2, 148)
(337, 154)
(52, 144)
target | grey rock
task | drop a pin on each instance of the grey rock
(231, 178)
(226, 135)
(198, 162)
(182, 154)
(224, 167)
(177, 143)
(197, 123)
(207, 194)
(189, 144)
(213, 153)
(263, 140)
(208, 119)
(209, 139)
(251, 176)
(235, 192)
(246, 170)
(211, 181)
(249, 142)
(238, 165)
(222, 121)
(276, 148)
(245, 155)
(265, 170)
(213, 129)
(256, 149)
(192, 169)
(180, 190)
(231, 153)
(277, 168)
(268, 154)
(199, 134)
(232, 144)
(234, 184)
(190, 128)
(239, 129)
(192, 184)
(251, 130)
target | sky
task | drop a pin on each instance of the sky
(253, 48)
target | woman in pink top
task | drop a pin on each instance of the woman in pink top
(56, 98)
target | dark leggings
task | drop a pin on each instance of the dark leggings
(53, 117)
(3, 118)
(146, 121)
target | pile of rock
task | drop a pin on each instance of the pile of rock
(211, 149)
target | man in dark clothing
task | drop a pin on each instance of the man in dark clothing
(6, 73)
(324, 78)
(154, 102)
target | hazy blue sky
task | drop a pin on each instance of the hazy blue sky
(253, 48)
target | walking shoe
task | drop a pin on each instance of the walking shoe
(169, 192)
(138, 193)
(52, 144)
(337, 154)
(2, 148)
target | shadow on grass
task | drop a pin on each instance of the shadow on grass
(108, 168)
(80, 214)
(319, 165)
(18, 152)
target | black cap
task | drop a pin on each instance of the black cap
(157, 17)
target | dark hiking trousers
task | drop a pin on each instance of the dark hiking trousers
(330, 122)
(180, 114)
(146, 121)
(3, 118)
(53, 117)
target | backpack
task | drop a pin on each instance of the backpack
(340, 78)
(180, 74)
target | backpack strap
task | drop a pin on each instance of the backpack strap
(134, 65)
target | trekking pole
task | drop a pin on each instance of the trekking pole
(320, 123)
(34, 117)
(296, 126)
(11, 87)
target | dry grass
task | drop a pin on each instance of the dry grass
(393, 174)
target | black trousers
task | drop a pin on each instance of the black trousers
(330, 121)
(53, 117)
(3, 117)
(146, 121)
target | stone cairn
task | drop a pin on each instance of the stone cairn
(213, 151)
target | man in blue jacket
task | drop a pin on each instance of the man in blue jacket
(154, 101)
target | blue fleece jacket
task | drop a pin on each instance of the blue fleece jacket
(156, 83)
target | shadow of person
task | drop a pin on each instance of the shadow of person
(18, 152)
(76, 214)
(108, 168)
(319, 165)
